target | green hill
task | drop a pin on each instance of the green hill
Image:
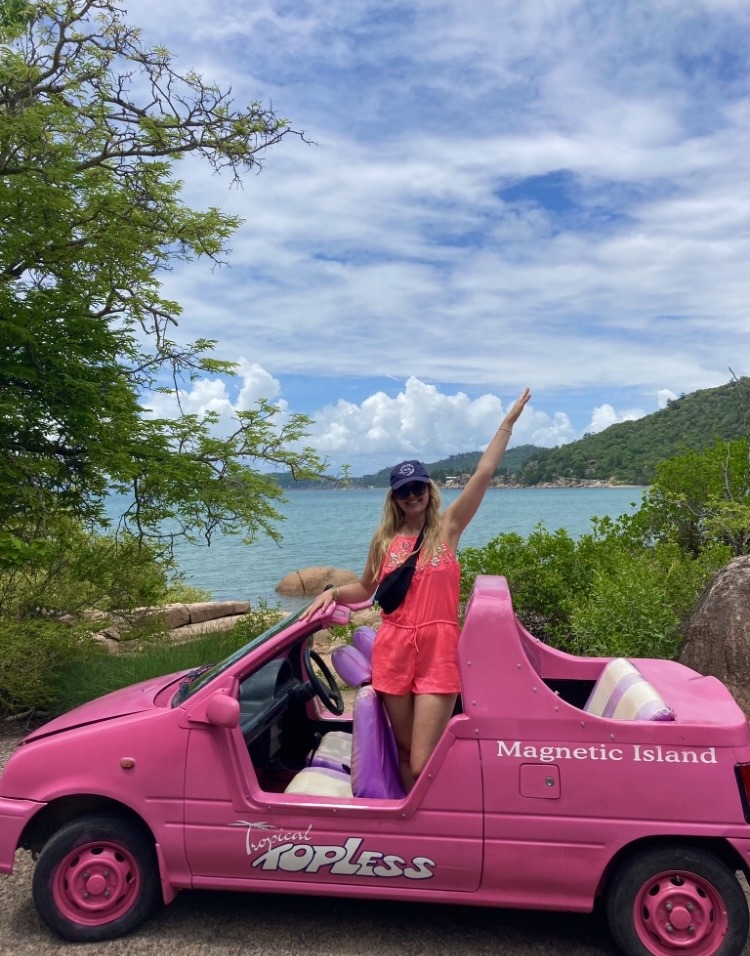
(629, 452)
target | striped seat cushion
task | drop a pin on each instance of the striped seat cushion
(334, 751)
(623, 693)
(321, 782)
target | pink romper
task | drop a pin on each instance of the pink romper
(416, 648)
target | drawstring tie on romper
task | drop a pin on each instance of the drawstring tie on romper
(414, 629)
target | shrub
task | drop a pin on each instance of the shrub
(545, 572)
(34, 653)
(75, 570)
(45, 636)
(606, 594)
(625, 614)
(255, 622)
(699, 499)
(637, 604)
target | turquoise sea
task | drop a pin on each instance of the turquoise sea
(333, 528)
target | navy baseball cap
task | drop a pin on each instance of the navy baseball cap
(408, 471)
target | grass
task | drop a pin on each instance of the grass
(102, 673)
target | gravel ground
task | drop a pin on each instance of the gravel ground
(238, 924)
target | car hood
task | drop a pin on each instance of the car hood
(129, 700)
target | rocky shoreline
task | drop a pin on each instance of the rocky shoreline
(460, 481)
(583, 483)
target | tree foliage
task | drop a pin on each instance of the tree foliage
(605, 594)
(700, 499)
(92, 126)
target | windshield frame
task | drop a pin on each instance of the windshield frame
(191, 687)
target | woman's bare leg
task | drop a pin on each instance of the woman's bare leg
(400, 710)
(431, 715)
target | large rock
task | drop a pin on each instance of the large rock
(307, 582)
(179, 615)
(183, 621)
(189, 632)
(212, 610)
(717, 639)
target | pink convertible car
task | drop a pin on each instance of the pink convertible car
(560, 781)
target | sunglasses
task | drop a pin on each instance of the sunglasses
(416, 488)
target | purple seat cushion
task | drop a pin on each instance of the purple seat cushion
(351, 665)
(363, 639)
(374, 757)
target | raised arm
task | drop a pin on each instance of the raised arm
(460, 512)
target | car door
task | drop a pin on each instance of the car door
(238, 835)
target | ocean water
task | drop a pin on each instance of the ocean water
(333, 528)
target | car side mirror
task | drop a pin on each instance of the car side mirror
(223, 711)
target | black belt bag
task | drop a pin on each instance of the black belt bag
(392, 589)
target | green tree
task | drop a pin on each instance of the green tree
(92, 125)
(699, 500)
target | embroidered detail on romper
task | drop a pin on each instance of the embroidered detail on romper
(438, 557)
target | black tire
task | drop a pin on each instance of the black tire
(677, 899)
(96, 878)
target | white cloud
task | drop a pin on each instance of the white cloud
(419, 421)
(204, 395)
(393, 247)
(257, 383)
(664, 396)
(550, 432)
(605, 415)
(218, 396)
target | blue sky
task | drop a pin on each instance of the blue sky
(497, 193)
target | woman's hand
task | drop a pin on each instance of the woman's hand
(349, 595)
(320, 603)
(515, 413)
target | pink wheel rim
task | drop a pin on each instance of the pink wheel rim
(96, 884)
(678, 912)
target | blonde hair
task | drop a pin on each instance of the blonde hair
(392, 519)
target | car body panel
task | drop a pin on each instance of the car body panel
(120, 703)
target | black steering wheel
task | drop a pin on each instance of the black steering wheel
(327, 690)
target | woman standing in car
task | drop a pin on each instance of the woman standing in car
(415, 659)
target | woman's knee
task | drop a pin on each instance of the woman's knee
(417, 763)
(420, 753)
